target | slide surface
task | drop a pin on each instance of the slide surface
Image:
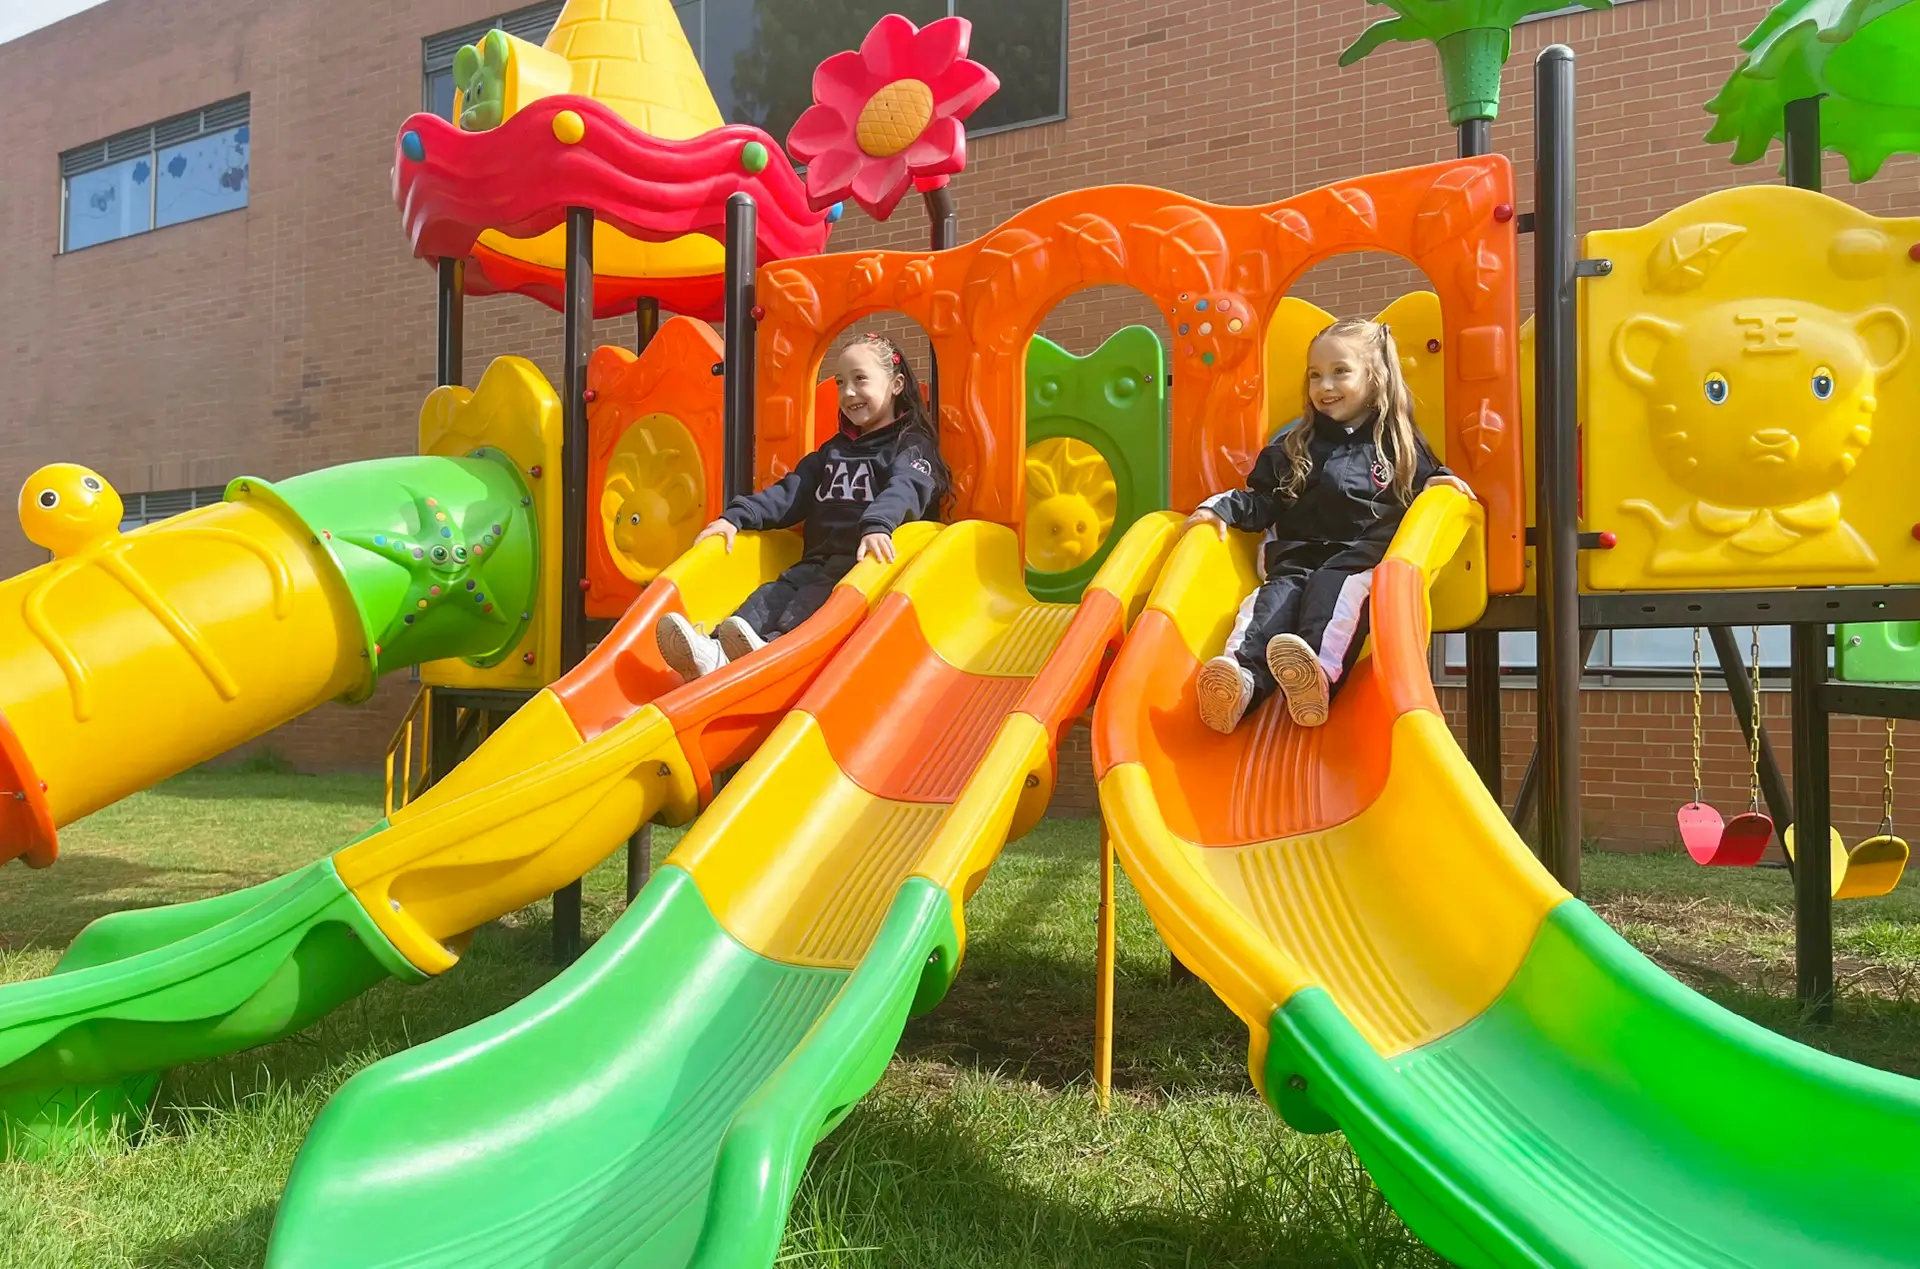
(568, 778)
(1524, 1086)
(655, 1105)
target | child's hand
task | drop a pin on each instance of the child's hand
(1204, 516)
(722, 529)
(876, 546)
(1452, 482)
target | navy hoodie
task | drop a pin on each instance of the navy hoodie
(851, 486)
(1345, 515)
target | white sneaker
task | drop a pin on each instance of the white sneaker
(1225, 687)
(738, 639)
(688, 652)
(1296, 667)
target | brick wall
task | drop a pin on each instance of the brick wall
(299, 332)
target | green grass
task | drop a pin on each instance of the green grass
(981, 1147)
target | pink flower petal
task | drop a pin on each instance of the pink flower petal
(830, 176)
(939, 45)
(888, 49)
(818, 130)
(842, 82)
(880, 185)
(961, 88)
(939, 151)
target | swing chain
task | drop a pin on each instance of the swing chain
(1753, 732)
(1886, 785)
(1696, 715)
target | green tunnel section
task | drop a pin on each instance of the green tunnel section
(1599, 1114)
(441, 554)
(653, 1105)
(1877, 652)
(1111, 404)
(144, 990)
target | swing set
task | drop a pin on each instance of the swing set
(1868, 870)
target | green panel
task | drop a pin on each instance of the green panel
(1602, 1115)
(1114, 399)
(653, 1105)
(442, 554)
(150, 990)
(1877, 652)
(1858, 56)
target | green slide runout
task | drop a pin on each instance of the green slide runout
(1601, 1115)
(142, 991)
(652, 1106)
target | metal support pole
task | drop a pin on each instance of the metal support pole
(1530, 779)
(646, 316)
(1773, 785)
(943, 219)
(577, 345)
(737, 390)
(639, 861)
(1476, 138)
(1812, 898)
(1103, 979)
(1803, 143)
(1557, 538)
(450, 322)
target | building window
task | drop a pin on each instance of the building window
(759, 55)
(148, 508)
(179, 169)
(1641, 657)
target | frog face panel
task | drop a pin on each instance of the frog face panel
(480, 72)
(66, 508)
(1761, 403)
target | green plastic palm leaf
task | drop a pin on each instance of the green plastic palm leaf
(1862, 56)
(1473, 38)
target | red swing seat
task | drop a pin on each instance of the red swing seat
(1718, 843)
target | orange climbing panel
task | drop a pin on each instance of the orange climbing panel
(655, 447)
(1218, 273)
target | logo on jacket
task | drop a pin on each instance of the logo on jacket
(847, 482)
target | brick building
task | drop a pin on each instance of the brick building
(289, 328)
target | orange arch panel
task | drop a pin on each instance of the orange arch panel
(982, 302)
(673, 377)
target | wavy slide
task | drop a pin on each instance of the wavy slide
(571, 775)
(1524, 1086)
(655, 1104)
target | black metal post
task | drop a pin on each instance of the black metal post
(577, 341)
(450, 323)
(1483, 646)
(1803, 143)
(1812, 899)
(1773, 785)
(639, 861)
(1557, 539)
(943, 219)
(646, 316)
(743, 220)
(1530, 779)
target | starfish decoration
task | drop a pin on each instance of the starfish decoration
(445, 559)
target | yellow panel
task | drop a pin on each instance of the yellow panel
(1749, 394)
(1070, 503)
(615, 254)
(468, 859)
(516, 411)
(1196, 566)
(810, 890)
(654, 499)
(1291, 328)
(147, 652)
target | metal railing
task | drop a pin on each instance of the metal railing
(413, 733)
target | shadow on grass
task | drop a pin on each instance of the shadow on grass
(214, 1244)
(49, 908)
(230, 783)
(941, 1182)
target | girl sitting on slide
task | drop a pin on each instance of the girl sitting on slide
(880, 471)
(1328, 493)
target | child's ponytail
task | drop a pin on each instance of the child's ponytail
(910, 408)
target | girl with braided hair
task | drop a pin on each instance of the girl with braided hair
(881, 470)
(1328, 494)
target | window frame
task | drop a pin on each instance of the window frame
(213, 119)
(196, 496)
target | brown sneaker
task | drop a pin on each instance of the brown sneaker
(1301, 677)
(1225, 687)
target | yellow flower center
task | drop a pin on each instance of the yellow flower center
(894, 117)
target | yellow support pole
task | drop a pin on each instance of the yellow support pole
(1103, 980)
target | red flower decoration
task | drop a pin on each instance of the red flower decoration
(890, 114)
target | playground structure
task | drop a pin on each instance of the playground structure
(1407, 970)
